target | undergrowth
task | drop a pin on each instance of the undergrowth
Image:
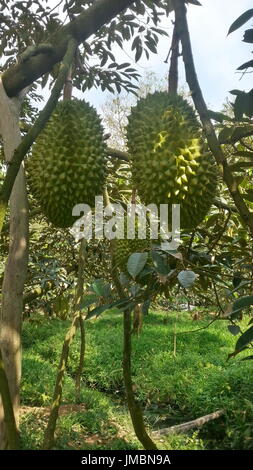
(172, 389)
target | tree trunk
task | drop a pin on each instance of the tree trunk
(9, 418)
(133, 405)
(16, 265)
(80, 367)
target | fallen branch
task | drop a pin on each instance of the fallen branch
(196, 423)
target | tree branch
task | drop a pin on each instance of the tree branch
(173, 72)
(196, 423)
(222, 231)
(119, 154)
(222, 205)
(87, 23)
(192, 80)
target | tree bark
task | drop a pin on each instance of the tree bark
(173, 71)
(16, 265)
(12, 433)
(80, 367)
(133, 405)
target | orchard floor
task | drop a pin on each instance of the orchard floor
(172, 388)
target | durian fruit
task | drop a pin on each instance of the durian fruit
(170, 160)
(67, 165)
(123, 248)
(61, 306)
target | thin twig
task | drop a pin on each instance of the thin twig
(217, 298)
(216, 241)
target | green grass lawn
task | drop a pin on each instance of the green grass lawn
(172, 389)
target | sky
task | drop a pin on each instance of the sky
(216, 55)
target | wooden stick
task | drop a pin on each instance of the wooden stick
(196, 423)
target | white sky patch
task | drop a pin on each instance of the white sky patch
(217, 55)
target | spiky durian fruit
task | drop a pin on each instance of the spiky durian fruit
(67, 165)
(170, 161)
(123, 248)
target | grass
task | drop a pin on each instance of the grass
(197, 381)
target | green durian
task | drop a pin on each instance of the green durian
(123, 248)
(169, 157)
(68, 164)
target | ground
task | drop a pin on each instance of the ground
(174, 386)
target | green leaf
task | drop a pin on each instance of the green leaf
(123, 304)
(248, 195)
(160, 263)
(213, 219)
(138, 54)
(129, 17)
(248, 36)
(219, 117)
(240, 166)
(245, 339)
(97, 311)
(241, 303)
(242, 131)
(194, 2)
(151, 46)
(245, 154)
(136, 263)
(239, 106)
(123, 66)
(245, 65)
(89, 300)
(225, 134)
(241, 20)
(234, 329)
(248, 358)
(101, 288)
(136, 43)
(236, 92)
(243, 105)
(186, 278)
